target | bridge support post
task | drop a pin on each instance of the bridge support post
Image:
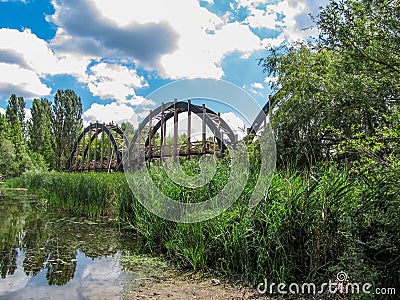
(221, 137)
(109, 153)
(175, 151)
(89, 148)
(102, 147)
(203, 130)
(95, 145)
(162, 131)
(189, 130)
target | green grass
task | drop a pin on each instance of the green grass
(311, 225)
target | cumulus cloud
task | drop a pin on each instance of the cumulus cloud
(113, 112)
(116, 82)
(30, 52)
(12, 57)
(202, 55)
(26, 83)
(263, 18)
(99, 35)
(290, 17)
(2, 111)
(178, 38)
(235, 123)
(25, 59)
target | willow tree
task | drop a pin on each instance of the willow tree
(339, 97)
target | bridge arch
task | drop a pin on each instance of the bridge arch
(99, 147)
(261, 120)
(146, 131)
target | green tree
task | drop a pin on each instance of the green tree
(370, 29)
(21, 114)
(332, 97)
(5, 128)
(66, 124)
(8, 163)
(12, 110)
(15, 113)
(39, 129)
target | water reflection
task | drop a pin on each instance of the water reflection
(56, 254)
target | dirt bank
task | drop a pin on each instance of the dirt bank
(190, 286)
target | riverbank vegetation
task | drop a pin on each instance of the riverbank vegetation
(334, 202)
(311, 226)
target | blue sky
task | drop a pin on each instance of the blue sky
(114, 53)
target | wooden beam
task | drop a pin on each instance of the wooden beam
(203, 128)
(102, 146)
(189, 129)
(83, 152)
(95, 146)
(89, 148)
(109, 153)
(176, 153)
(163, 128)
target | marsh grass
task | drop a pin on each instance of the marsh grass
(310, 226)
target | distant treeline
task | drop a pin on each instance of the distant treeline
(43, 141)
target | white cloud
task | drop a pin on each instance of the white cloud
(257, 85)
(25, 59)
(271, 79)
(203, 37)
(21, 81)
(292, 9)
(201, 55)
(2, 111)
(263, 19)
(28, 114)
(116, 82)
(235, 123)
(113, 112)
(295, 19)
(37, 56)
(177, 38)
(144, 41)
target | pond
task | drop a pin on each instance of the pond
(52, 254)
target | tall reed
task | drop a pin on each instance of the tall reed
(309, 227)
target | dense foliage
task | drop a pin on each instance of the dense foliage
(43, 141)
(310, 227)
(339, 99)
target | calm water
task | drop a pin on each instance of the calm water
(49, 254)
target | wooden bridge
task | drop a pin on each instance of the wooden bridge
(102, 147)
